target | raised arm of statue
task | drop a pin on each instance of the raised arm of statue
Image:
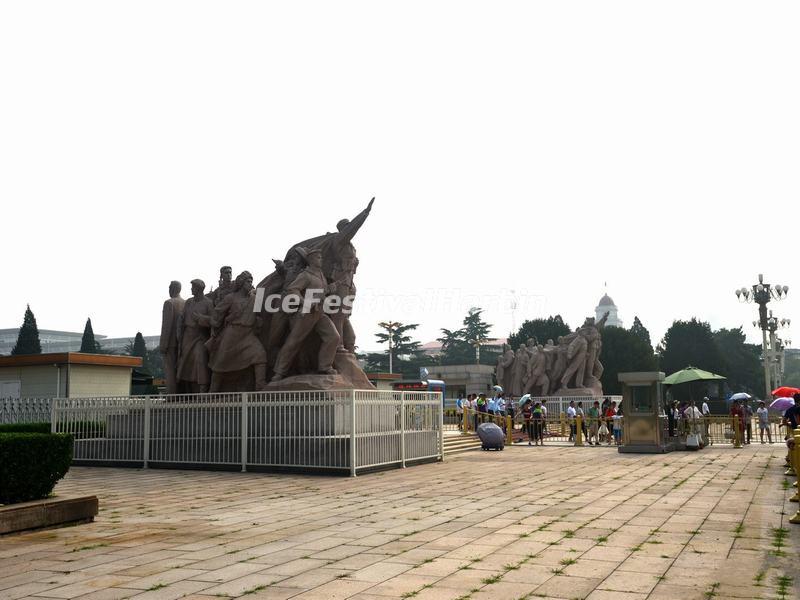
(601, 323)
(349, 230)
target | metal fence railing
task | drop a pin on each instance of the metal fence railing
(25, 410)
(332, 430)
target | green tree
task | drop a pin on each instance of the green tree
(641, 332)
(476, 331)
(791, 373)
(407, 358)
(396, 338)
(154, 363)
(690, 343)
(458, 346)
(28, 337)
(542, 329)
(742, 361)
(88, 344)
(623, 351)
(137, 347)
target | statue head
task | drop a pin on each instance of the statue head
(174, 289)
(312, 257)
(342, 224)
(531, 342)
(279, 265)
(198, 286)
(550, 342)
(225, 274)
(244, 281)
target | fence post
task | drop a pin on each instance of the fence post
(561, 417)
(440, 405)
(403, 429)
(578, 430)
(244, 427)
(146, 449)
(465, 420)
(53, 417)
(509, 431)
(353, 433)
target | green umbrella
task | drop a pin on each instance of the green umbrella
(691, 374)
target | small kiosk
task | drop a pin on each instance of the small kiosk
(645, 428)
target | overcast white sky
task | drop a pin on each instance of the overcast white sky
(545, 147)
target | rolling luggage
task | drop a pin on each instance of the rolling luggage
(491, 436)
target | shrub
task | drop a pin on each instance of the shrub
(25, 428)
(31, 464)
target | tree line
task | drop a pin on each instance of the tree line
(686, 343)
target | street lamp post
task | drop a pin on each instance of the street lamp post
(390, 326)
(776, 347)
(761, 294)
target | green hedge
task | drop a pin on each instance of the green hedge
(31, 464)
(25, 428)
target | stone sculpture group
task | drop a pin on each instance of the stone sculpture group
(228, 339)
(569, 367)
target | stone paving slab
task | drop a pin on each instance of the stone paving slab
(552, 522)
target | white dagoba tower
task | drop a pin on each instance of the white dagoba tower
(606, 305)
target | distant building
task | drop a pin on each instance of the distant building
(66, 375)
(606, 305)
(434, 348)
(70, 341)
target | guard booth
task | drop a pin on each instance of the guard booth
(645, 428)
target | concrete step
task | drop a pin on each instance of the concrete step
(461, 443)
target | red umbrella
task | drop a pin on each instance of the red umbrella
(785, 392)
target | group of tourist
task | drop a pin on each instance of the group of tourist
(600, 423)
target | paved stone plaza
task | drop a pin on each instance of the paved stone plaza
(552, 522)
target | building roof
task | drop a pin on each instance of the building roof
(70, 358)
(384, 376)
(606, 301)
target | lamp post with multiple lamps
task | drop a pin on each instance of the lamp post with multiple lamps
(761, 293)
(773, 325)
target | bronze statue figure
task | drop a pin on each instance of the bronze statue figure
(168, 345)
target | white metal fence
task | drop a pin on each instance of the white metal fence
(327, 431)
(24, 410)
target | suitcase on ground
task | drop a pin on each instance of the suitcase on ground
(491, 436)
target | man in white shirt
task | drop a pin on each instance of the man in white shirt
(571, 413)
(706, 415)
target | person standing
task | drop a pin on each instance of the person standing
(609, 415)
(579, 413)
(617, 418)
(527, 416)
(763, 421)
(706, 420)
(571, 413)
(748, 420)
(537, 418)
(594, 423)
(737, 416)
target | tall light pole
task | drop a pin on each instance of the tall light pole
(773, 325)
(390, 326)
(761, 294)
